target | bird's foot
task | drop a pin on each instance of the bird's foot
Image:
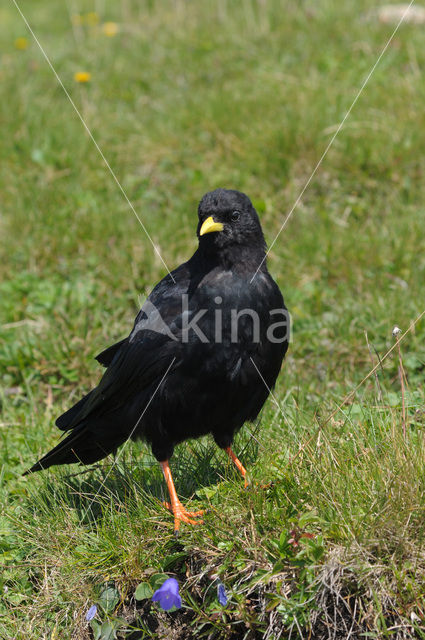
(268, 485)
(182, 515)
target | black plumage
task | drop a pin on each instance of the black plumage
(202, 356)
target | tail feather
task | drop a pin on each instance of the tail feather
(82, 445)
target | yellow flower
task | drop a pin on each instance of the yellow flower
(21, 43)
(110, 29)
(92, 18)
(82, 76)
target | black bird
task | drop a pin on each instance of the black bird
(205, 351)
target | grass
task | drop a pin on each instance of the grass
(187, 97)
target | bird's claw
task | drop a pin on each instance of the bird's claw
(182, 515)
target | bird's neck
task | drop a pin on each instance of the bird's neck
(236, 258)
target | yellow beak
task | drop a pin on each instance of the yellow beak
(210, 225)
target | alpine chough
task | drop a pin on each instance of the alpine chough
(204, 352)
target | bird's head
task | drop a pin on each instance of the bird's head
(228, 221)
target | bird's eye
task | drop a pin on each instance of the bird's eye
(235, 216)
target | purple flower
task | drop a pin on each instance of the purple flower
(168, 595)
(91, 613)
(221, 593)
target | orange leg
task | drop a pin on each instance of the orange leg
(176, 507)
(238, 463)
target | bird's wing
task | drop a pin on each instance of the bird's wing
(106, 356)
(141, 359)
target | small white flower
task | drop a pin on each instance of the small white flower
(396, 331)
